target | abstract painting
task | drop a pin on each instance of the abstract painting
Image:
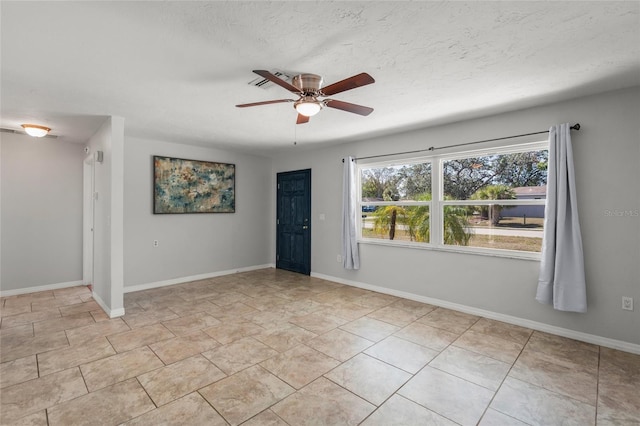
(192, 186)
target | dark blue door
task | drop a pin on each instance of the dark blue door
(293, 236)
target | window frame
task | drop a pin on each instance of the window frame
(438, 203)
(360, 203)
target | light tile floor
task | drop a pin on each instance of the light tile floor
(270, 347)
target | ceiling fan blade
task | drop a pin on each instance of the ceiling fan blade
(349, 107)
(280, 82)
(302, 119)
(347, 84)
(264, 103)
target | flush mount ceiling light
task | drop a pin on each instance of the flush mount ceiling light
(35, 130)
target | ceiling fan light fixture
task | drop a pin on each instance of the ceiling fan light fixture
(308, 106)
(35, 130)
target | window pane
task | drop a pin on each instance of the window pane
(521, 175)
(398, 223)
(496, 226)
(394, 183)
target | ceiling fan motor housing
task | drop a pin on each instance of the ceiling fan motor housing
(309, 84)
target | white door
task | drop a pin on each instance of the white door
(87, 219)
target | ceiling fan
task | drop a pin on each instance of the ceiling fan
(309, 88)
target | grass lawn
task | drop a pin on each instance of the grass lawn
(506, 243)
(485, 241)
(513, 223)
(401, 235)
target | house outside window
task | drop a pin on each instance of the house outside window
(489, 202)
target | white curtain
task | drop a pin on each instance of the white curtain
(562, 280)
(350, 256)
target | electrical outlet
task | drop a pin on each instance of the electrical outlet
(627, 303)
(155, 243)
(339, 259)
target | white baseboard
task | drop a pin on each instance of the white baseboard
(7, 293)
(534, 325)
(113, 313)
(129, 289)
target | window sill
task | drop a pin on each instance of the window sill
(455, 249)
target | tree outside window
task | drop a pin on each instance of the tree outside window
(481, 203)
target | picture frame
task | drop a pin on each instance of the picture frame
(182, 186)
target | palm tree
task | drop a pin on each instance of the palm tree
(494, 192)
(456, 224)
(387, 217)
(416, 218)
(418, 222)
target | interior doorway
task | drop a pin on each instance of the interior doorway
(88, 219)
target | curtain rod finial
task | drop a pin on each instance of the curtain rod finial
(576, 126)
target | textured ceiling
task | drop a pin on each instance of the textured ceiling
(175, 70)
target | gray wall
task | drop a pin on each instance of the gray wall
(193, 244)
(607, 154)
(108, 214)
(41, 190)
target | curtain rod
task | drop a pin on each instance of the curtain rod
(574, 127)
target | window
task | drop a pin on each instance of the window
(482, 201)
(395, 201)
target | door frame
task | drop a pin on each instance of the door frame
(307, 239)
(88, 208)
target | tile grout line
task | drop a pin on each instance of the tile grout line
(546, 389)
(210, 405)
(503, 380)
(390, 396)
(324, 374)
(84, 380)
(555, 391)
(419, 370)
(439, 353)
